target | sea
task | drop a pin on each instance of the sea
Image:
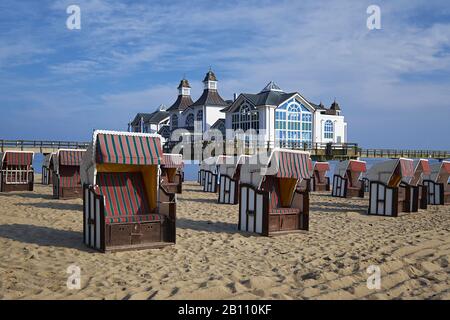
(191, 167)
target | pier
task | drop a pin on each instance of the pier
(318, 151)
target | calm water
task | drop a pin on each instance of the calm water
(191, 167)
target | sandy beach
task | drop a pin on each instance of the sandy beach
(40, 237)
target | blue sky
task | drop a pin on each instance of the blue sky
(393, 84)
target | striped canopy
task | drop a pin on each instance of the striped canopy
(71, 157)
(230, 167)
(322, 166)
(128, 148)
(281, 163)
(18, 158)
(439, 170)
(352, 165)
(173, 160)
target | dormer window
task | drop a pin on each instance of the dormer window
(211, 85)
(186, 92)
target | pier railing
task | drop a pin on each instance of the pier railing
(398, 153)
(40, 146)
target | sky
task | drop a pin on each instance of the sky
(393, 84)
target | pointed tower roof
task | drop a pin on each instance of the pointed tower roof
(335, 106)
(184, 83)
(183, 101)
(210, 97)
(271, 86)
(210, 76)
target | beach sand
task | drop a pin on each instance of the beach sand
(40, 237)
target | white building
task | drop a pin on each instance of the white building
(286, 118)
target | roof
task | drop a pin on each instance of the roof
(335, 106)
(271, 86)
(218, 123)
(210, 76)
(154, 117)
(210, 97)
(181, 103)
(184, 83)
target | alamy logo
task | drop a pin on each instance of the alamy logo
(74, 280)
(374, 280)
(374, 20)
(73, 21)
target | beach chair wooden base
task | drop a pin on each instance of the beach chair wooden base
(210, 182)
(342, 190)
(66, 193)
(228, 190)
(11, 187)
(254, 215)
(316, 186)
(141, 233)
(384, 200)
(423, 194)
(436, 193)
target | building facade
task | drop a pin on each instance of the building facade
(280, 118)
(286, 119)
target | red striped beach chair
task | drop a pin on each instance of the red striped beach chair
(204, 165)
(17, 173)
(47, 169)
(418, 192)
(171, 173)
(124, 205)
(270, 203)
(229, 180)
(66, 176)
(386, 197)
(437, 183)
(346, 179)
(320, 182)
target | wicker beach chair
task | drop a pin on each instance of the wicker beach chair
(17, 173)
(172, 173)
(47, 169)
(66, 174)
(346, 179)
(124, 207)
(437, 183)
(320, 182)
(270, 203)
(229, 180)
(386, 197)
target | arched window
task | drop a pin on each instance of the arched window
(174, 121)
(328, 129)
(293, 124)
(245, 118)
(221, 127)
(200, 118)
(190, 120)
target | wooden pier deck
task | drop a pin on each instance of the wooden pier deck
(319, 151)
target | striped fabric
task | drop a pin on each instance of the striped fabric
(125, 197)
(70, 157)
(322, 166)
(357, 166)
(425, 165)
(446, 167)
(292, 165)
(173, 160)
(407, 167)
(128, 149)
(70, 181)
(18, 158)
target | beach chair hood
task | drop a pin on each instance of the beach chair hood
(281, 163)
(17, 158)
(384, 171)
(438, 171)
(230, 167)
(68, 157)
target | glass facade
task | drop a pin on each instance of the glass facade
(293, 124)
